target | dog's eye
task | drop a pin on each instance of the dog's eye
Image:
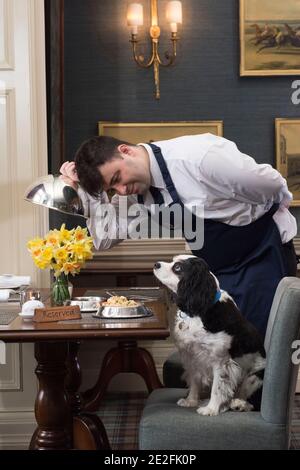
(177, 268)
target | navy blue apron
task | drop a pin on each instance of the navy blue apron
(249, 260)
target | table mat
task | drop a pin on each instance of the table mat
(7, 317)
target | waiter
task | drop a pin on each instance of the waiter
(248, 229)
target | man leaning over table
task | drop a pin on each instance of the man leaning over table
(248, 228)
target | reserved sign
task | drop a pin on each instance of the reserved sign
(51, 314)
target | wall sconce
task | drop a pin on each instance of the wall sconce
(135, 19)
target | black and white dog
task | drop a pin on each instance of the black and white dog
(219, 348)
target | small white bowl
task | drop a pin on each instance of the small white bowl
(29, 307)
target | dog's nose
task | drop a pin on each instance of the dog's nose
(157, 265)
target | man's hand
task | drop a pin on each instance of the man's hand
(69, 174)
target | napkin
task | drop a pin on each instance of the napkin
(14, 282)
(4, 295)
(29, 307)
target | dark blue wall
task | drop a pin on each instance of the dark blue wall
(103, 83)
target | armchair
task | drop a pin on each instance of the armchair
(165, 425)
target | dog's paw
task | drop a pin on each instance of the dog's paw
(187, 403)
(207, 411)
(237, 404)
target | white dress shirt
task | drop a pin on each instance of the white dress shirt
(210, 171)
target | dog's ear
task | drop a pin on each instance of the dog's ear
(196, 289)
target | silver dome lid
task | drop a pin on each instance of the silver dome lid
(51, 191)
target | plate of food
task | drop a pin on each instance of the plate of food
(119, 306)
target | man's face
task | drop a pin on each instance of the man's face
(127, 174)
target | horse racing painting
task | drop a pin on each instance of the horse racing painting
(270, 37)
(288, 154)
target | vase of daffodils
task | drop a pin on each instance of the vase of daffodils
(65, 252)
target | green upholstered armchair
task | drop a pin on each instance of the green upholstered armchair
(165, 425)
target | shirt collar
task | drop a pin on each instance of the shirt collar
(156, 177)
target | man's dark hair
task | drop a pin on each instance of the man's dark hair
(92, 153)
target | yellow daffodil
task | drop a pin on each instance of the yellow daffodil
(42, 264)
(78, 250)
(47, 254)
(53, 238)
(65, 235)
(60, 254)
(71, 268)
(36, 243)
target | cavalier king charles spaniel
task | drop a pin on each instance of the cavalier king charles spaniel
(220, 350)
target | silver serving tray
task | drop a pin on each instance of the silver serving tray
(123, 312)
(87, 304)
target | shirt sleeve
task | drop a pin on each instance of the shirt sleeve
(239, 177)
(94, 209)
(109, 222)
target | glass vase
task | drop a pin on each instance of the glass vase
(60, 290)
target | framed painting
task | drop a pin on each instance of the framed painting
(288, 154)
(269, 37)
(135, 132)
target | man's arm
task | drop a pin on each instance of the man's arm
(239, 177)
(108, 221)
(101, 226)
(111, 222)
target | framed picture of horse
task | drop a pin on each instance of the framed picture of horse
(269, 37)
(288, 154)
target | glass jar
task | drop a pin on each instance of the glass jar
(60, 290)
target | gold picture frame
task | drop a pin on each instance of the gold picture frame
(288, 154)
(136, 132)
(269, 37)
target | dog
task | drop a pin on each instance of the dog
(220, 350)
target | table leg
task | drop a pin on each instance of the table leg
(73, 378)
(88, 432)
(127, 357)
(52, 410)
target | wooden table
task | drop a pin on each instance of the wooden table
(61, 412)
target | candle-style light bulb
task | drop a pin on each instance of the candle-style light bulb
(174, 14)
(135, 16)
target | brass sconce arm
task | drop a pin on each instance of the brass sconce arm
(140, 59)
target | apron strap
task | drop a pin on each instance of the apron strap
(156, 194)
(165, 173)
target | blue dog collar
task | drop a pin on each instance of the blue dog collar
(217, 296)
